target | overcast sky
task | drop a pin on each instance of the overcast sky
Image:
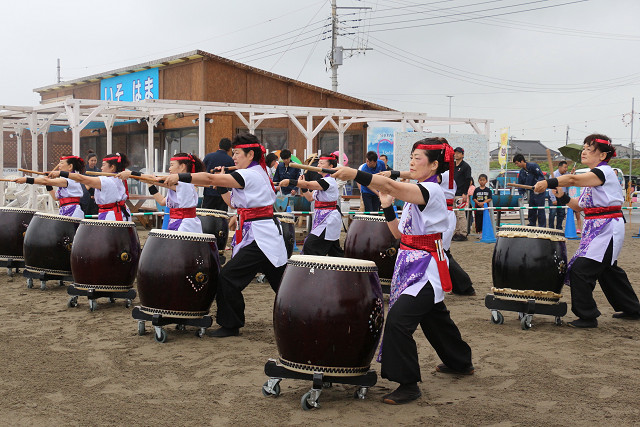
(533, 66)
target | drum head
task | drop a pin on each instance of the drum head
(332, 263)
(212, 212)
(17, 210)
(182, 235)
(108, 223)
(57, 217)
(531, 232)
(377, 218)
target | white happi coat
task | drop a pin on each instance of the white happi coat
(326, 219)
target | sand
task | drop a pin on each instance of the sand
(69, 366)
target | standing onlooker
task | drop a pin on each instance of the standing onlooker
(531, 173)
(87, 202)
(272, 164)
(481, 195)
(284, 171)
(472, 188)
(462, 177)
(385, 159)
(560, 213)
(373, 165)
(92, 162)
(222, 157)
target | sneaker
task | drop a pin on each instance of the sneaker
(223, 332)
(405, 393)
(584, 323)
(447, 370)
(625, 315)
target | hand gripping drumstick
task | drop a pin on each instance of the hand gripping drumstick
(33, 172)
(526, 187)
(312, 168)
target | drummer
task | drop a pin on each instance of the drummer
(420, 278)
(602, 236)
(69, 192)
(111, 192)
(324, 237)
(182, 198)
(259, 245)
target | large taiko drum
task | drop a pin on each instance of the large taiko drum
(104, 255)
(48, 242)
(288, 224)
(13, 227)
(178, 274)
(369, 237)
(328, 315)
(529, 259)
(217, 223)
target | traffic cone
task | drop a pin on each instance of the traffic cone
(166, 218)
(488, 235)
(570, 227)
(295, 246)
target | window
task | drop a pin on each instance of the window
(97, 144)
(272, 139)
(179, 141)
(353, 146)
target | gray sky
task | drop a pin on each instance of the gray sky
(569, 62)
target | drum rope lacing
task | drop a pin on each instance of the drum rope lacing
(336, 267)
(103, 223)
(207, 238)
(57, 217)
(337, 371)
(369, 218)
(48, 271)
(527, 294)
(173, 313)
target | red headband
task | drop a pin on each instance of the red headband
(189, 158)
(329, 158)
(71, 157)
(604, 141)
(117, 157)
(262, 162)
(448, 156)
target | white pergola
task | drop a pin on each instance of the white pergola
(76, 114)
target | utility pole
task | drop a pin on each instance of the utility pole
(631, 154)
(59, 79)
(566, 141)
(449, 96)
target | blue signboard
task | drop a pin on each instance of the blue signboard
(131, 87)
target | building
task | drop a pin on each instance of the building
(533, 151)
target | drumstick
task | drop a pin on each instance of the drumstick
(7, 180)
(34, 172)
(226, 169)
(527, 187)
(312, 168)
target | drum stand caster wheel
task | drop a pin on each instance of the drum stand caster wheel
(141, 330)
(73, 302)
(93, 305)
(360, 393)
(112, 300)
(260, 278)
(128, 303)
(160, 335)
(61, 283)
(9, 272)
(271, 387)
(29, 283)
(200, 332)
(43, 285)
(496, 317)
(310, 399)
(180, 327)
(558, 321)
(525, 322)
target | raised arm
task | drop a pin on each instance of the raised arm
(405, 191)
(89, 181)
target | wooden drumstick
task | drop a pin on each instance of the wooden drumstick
(226, 169)
(33, 172)
(312, 168)
(7, 180)
(526, 187)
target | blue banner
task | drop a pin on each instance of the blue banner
(131, 87)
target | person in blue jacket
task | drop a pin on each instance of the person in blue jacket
(285, 171)
(530, 173)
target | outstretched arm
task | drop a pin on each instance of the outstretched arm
(89, 181)
(405, 191)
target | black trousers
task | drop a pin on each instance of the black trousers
(371, 202)
(613, 281)
(460, 280)
(317, 245)
(214, 202)
(236, 275)
(399, 351)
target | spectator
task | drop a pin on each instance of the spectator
(370, 199)
(530, 173)
(272, 164)
(557, 214)
(472, 188)
(284, 171)
(462, 177)
(385, 159)
(92, 162)
(87, 202)
(222, 157)
(481, 196)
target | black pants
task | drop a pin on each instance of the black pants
(214, 202)
(537, 217)
(613, 281)
(399, 351)
(460, 280)
(236, 275)
(371, 202)
(479, 220)
(317, 245)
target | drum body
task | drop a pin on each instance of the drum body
(369, 238)
(328, 315)
(178, 274)
(288, 224)
(48, 243)
(13, 227)
(529, 258)
(217, 223)
(105, 255)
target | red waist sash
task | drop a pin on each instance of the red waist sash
(181, 213)
(431, 243)
(65, 201)
(603, 212)
(325, 205)
(118, 208)
(252, 214)
(449, 204)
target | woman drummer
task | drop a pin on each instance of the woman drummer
(324, 238)
(259, 245)
(182, 198)
(602, 235)
(111, 192)
(420, 278)
(69, 191)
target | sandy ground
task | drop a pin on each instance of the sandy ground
(68, 366)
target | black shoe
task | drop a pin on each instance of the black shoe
(625, 315)
(223, 332)
(447, 370)
(470, 292)
(405, 393)
(584, 323)
(463, 238)
(456, 238)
